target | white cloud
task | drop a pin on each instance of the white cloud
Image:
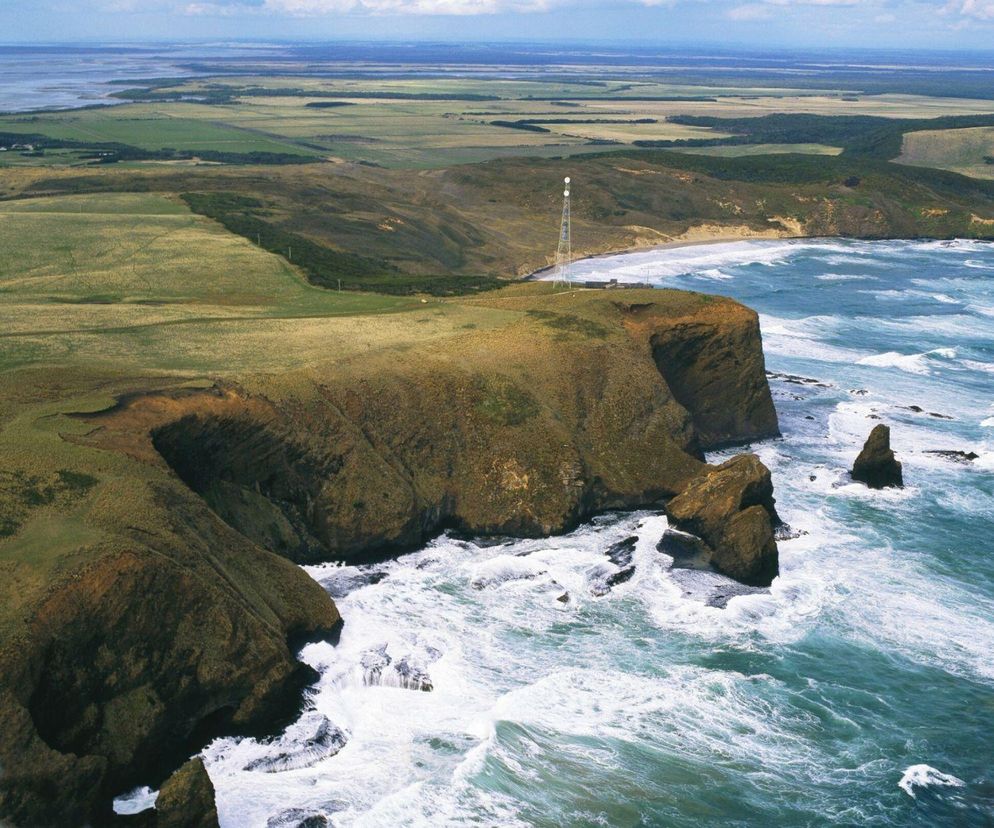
(749, 12)
(979, 9)
(308, 8)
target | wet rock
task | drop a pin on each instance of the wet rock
(688, 551)
(620, 554)
(795, 379)
(602, 578)
(298, 818)
(732, 510)
(413, 677)
(564, 598)
(876, 465)
(711, 588)
(374, 662)
(186, 800)
(620, 577)
(917, 409)
(312, 738)
(954, 455)
(785, 531)
(338, 585)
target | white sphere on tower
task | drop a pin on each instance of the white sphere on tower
(566, 179)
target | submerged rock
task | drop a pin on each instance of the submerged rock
(620, 553)
(711, 588)
(305, 743)
(955, 455)
(732, 510)
(412, 676)
(876, 465)
(687, 551)
(378, 668)
(340, 584)
(298, 818)
(374, 662)
(187, 799)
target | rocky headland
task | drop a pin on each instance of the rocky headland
(173, 614)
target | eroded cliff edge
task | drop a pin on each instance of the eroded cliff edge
(172, 624)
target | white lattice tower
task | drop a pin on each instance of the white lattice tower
(564, 253)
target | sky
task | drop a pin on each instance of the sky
(894, 24)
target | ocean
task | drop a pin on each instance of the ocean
(858, 690)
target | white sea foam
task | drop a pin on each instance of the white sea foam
(803, 339)
(845, 277)
(982, 310)
(912, 363)
(136, 801)
(703, 260)
(925, 776)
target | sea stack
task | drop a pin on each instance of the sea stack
(730, 508)
(876, 465)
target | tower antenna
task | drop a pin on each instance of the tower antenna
(564, 253)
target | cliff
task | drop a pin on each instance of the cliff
(170, 622)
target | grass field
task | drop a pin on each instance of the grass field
(958, 150)
(138, 280)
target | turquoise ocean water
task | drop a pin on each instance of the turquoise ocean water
(859, 690)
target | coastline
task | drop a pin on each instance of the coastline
(675, 244)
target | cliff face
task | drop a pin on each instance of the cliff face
(719, 377)
(174, 625)
(513, 433)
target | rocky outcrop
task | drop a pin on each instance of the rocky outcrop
(876, 465)
(731, 509)
(187, 799)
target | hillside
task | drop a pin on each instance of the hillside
(462, 229)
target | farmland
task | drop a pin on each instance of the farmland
(423, 124)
